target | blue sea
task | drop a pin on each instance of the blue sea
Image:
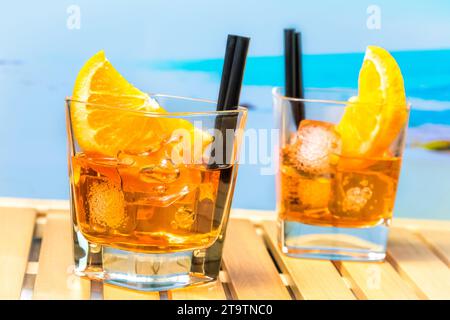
(33, 160)
(426, 75)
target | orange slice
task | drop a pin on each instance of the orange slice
(101, 117)
(373, 120)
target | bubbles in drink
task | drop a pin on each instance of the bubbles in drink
(356, 198)
(106, 203)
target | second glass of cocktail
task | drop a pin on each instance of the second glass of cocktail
(339, 166)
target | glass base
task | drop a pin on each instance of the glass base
(332, 243)
(146, 271)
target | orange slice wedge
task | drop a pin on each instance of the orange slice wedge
(107, 114)
(373, 119)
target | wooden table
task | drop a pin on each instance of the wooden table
(36, 262)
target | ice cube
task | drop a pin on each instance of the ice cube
(155, 180)
(106, 204)
(311, 148)
(363, 195)
(97, 166)
(301, 193)
(184, 218)
(356, 198)
(125, 159)
(204, 216)
(151, 180)
(159, 196)
(156, 183)
(163, 172)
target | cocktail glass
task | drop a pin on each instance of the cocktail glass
(331, 205)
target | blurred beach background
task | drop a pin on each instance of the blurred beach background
(176, 47)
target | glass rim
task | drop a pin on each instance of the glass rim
(239, 110)
(277, 92)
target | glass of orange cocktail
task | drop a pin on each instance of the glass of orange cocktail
(339, 166)
(149, 208)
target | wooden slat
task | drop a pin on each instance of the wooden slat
(251, 271)
(376, 281)
(417, 224)
(312, 279)
(418, 264)
(213, 291)
(55, 278)
(41, 205)
(418, 251)
(421, 224)
(439, 240)
(16, 234)
(111, 292)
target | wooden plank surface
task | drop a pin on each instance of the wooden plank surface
(16, 234)
(376, 281)
(111, 292)
(439, 240)
(55, 278)
(418, 264)
(250, 268)
(39, 205)
(312, 279)
(420, 224)
(213, 291)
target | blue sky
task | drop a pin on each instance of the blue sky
(179, 29)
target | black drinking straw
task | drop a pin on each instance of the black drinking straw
(230, 90)
(226, 71)
(229, 93)
(293, 72)
(232, 72)
(299, 67)
(289, 62)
